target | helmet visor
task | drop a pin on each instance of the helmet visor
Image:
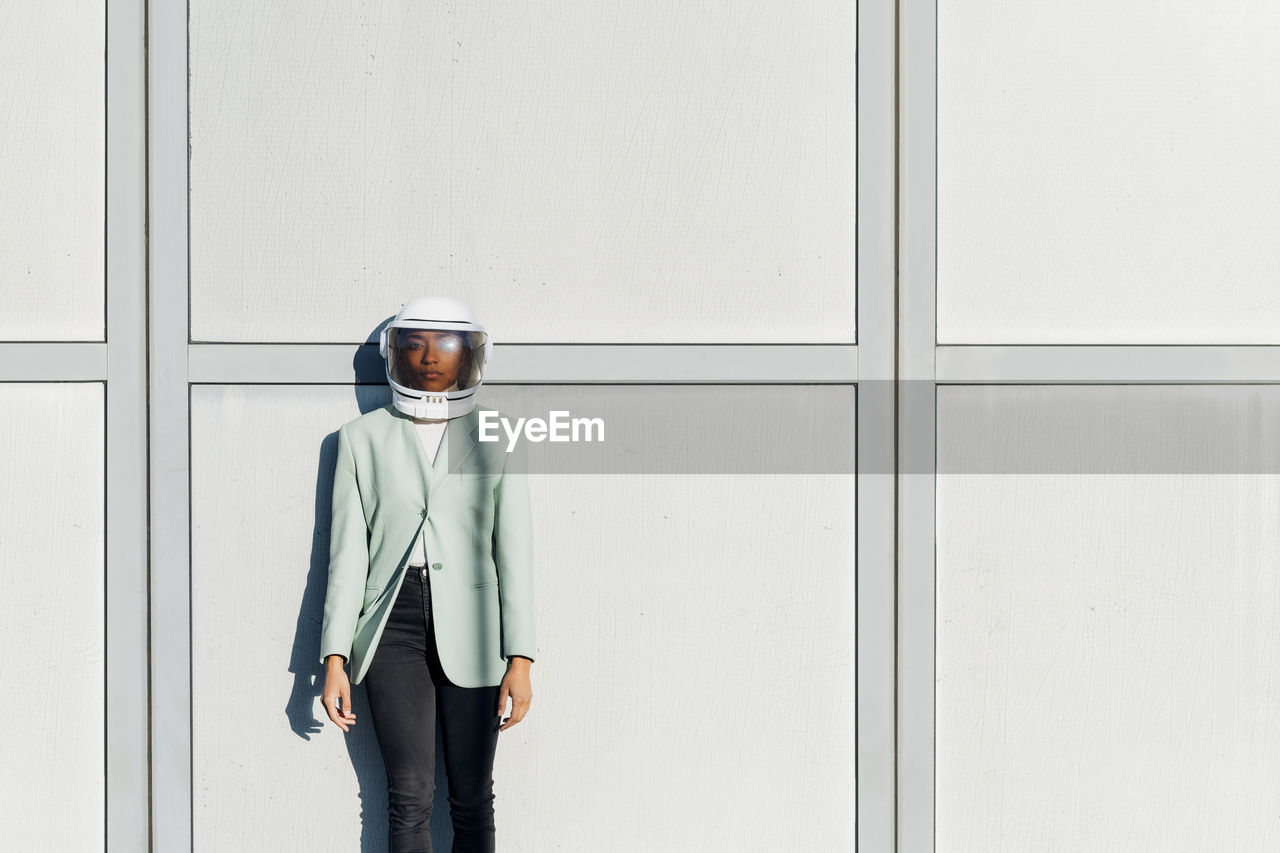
(435, 360)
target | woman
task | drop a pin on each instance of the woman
(430, 590)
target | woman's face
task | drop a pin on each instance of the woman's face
(431, 360)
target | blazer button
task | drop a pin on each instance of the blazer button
(424, 513)
(437, 566)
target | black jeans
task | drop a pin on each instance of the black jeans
(407, 692)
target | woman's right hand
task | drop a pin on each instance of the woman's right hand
(336, 686)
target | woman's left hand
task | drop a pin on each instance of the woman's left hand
(516, 685)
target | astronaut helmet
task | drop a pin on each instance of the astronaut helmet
(435, 352)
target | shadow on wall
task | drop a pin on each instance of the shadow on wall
(305, 713)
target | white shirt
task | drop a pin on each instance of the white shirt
(430, 433)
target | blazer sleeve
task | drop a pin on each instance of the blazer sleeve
(348, 558)
(513, 555)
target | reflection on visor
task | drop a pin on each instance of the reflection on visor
(435, 360)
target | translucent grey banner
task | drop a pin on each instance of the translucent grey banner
(811, 429)
(678, 429)
(1098, 429)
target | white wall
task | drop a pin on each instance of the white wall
(52, 199)
(1105, 634)
(52, 615)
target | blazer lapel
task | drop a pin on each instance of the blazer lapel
(413, 450)
(456, 445)
(461, 437)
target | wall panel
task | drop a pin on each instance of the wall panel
(640, 173)
(52, 615)
(1107, 642)
(1106, 173)
(52, 143)
(694, 687)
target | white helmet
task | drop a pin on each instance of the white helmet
(435, 352)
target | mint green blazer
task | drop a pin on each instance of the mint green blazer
(472, 507)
